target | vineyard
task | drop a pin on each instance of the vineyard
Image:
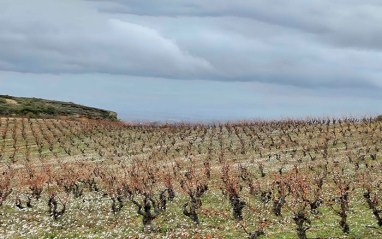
(77, 178)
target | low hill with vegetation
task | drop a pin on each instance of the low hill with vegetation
(34, 107)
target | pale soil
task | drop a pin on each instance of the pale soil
(10, 101)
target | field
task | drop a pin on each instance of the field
(312, 178)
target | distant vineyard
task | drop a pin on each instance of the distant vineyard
(314, 178)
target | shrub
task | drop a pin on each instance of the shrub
(4, 110)
(50, 110)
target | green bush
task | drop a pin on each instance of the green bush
(28, 110)
(50, 110)
(4, 110)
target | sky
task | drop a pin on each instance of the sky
(196, 60)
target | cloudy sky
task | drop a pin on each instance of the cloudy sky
(196, 59)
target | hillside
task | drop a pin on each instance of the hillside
(35, 107)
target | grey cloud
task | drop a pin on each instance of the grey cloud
(60, 40)
(342, 23)
(293, 42)
(272, 54)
